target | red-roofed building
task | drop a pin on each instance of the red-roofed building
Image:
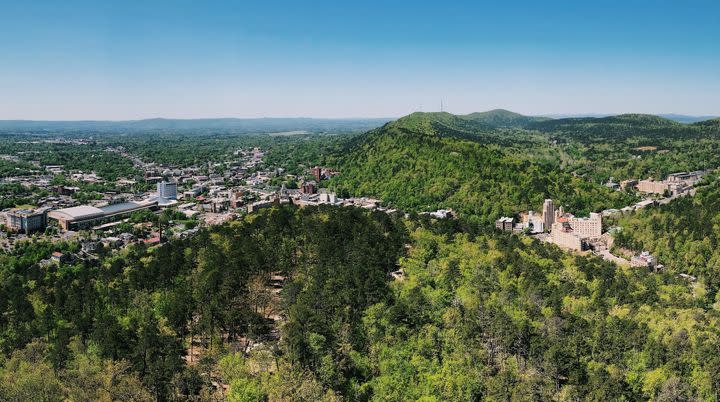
(152, 240)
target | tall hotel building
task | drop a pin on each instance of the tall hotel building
(548, 213)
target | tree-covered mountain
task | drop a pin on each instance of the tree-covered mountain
(504, 118)
(441, 124)
(687, 119)
(615, 125)
(711, 122)
(427, 161)
(430, 160)
(633, 146)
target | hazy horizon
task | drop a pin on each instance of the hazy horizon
(84, 60)
(550, 115)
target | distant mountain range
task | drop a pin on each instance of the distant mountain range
(497, 118)
(680, 118)
(687, 119)
(258, 125)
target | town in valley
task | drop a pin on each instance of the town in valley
(317, 201)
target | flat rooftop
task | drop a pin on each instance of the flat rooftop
(119, 207)
(76, 213)
(84, 212)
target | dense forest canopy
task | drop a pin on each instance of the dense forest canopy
(684, 234)
(474, 316)
(634, 146)
(139, 308)
(504, 118)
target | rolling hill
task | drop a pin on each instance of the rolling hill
(504, 118)
(687, 119)
(653, 130)
(427, 161)
(622, 121)
(708, 123)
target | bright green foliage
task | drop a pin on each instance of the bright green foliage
(88, 157)
(633, 146)
(142, 305)
(245, 390)
(427, 161)
(498, 318)
(684, 235)
(504, 118)
(486, 317)
(28, 376)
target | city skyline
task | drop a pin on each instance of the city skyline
(126, 61)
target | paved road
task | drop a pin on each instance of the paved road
(608, 256)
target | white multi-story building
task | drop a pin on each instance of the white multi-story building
(574, 233)
(167, 190)
(534, 223)
(587, 227)
(326, 197)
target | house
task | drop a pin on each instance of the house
(58, 257)
(505, 223)
(89, 246)
(152, 240)
(643, 259)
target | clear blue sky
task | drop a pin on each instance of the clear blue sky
(137, 59)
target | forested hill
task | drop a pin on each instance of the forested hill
(479, 165)
(632, 120)
(438, 124)
(426, 161)
(504, 118)
(633, 146)
(710, 123)
(623, 126)
(492, 119)
(684, 234)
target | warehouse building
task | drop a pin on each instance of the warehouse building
(86, 216)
